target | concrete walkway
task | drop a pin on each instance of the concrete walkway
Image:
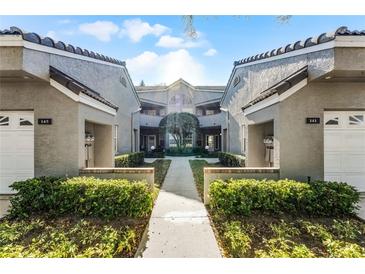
(179, 226)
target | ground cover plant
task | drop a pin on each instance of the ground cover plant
(43, 236)
(284, 219)
(76, 217)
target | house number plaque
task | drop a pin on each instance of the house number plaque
(45, 121)
(313, 120)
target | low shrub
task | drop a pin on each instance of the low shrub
(154, 154)
(243, 196)
(174, 151)
(231, 160)
(130, 160)
(84, 196)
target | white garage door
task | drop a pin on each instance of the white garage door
(16, 148)
(344, 147)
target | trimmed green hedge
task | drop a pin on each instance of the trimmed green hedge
(154, 154)
(244, 196)
(84, 196)
(130, 160)
(230, 160)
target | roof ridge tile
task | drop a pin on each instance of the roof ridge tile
(309, 42)
(52, 43)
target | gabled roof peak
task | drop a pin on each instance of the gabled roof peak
(180, 80)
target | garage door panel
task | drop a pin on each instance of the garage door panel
(6, 141)
(8, 162)
(16, 150)
(353, 162)
(344, 149)
(354, 140)
(357, 180)
(6, 181)
(332, 139)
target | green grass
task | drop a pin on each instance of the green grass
(161, 166)
(273, 236)
(69, 237)
(197, 167)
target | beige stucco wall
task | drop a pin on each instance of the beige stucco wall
(11, 59)
(56, 145)
(301, 144)
(102, 134)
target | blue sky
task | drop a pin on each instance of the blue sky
(157, 50)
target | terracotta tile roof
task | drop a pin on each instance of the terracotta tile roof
(49, 42)
(76, 86)
(280, 87)
(309, 42)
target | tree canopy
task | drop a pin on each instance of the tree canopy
(180, 125)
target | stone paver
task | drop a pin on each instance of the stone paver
(179, 226)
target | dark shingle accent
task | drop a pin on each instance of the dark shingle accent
(49, 42)
(280, 87)
(77, 87)
(309, 42)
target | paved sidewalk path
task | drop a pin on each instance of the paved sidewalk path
(179, 226)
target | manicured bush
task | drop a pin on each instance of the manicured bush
(154, 154)
(84, 196)
(230, 160)
(242, 197)
(174, 151)
(130, 160)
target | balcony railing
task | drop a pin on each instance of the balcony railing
(149, 120)
(213, 120)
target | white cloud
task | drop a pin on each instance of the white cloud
(166, 68)
(52, 34)
(210, 52)
(102, 30)
(168, 41)
(136, 29)
(64, 21)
